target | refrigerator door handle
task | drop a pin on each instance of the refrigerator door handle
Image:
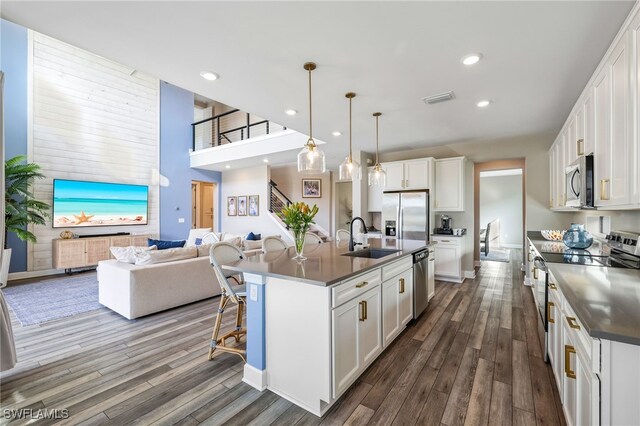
(400, 231)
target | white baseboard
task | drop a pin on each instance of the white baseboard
(255, 378)
(450, 279)
(470, 274)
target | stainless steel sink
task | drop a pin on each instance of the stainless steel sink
(371, 253)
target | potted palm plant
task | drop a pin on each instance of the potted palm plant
(21, 208)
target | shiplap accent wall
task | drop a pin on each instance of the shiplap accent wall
(92, 119)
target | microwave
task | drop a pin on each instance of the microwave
(579, 183)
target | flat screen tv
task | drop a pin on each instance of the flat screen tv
(79, 204)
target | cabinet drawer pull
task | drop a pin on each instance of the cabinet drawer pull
(603, 183)
(568, 350)
(362, 311)
(573, 323)
(401, 285)
(580, 147)
(362, 284)
(549, 318)
(529, 256)
(552, 286)
(535, 273)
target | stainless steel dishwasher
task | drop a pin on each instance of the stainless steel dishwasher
(420, 282)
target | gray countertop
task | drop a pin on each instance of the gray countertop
(606, 300)
(325, 264)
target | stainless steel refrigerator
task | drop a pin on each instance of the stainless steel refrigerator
(405, 214)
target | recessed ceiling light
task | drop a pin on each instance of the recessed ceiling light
(208, 75)
(472, 59)
(227, 166)
(483, 104)
(266, 160)
(336, 133)
(291, 112)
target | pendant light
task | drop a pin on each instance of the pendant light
(349, 169)
(311, 159)
(377, 175)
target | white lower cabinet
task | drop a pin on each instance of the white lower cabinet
(448, 262)
(397, 305)
(570, 352)
(356, 337)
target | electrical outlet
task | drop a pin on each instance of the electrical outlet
(253, 293)
(181, 220)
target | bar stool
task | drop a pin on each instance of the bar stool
(342, 235)
(220, 254)
(311, 238)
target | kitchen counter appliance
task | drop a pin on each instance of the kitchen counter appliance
(579, 183)
(420, 281)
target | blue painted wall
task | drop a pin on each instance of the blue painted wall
(14, 57)
(176, 116)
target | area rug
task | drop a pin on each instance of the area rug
(496, 255)
(53, 298)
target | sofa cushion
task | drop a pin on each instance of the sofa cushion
(128, 254)
(252, 237)
(167, 255)
(252, 245)
(195, 235)
(203, 250)
(236, 240)
(164, 245)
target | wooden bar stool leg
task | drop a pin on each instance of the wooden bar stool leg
(216, 328)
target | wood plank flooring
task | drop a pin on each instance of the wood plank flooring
(472, 358)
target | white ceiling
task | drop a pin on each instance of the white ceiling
(537, 58)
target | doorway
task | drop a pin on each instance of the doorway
(499, 209)
(203, 205)
(343, 204)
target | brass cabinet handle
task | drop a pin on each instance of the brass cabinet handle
(529, 256)
(362, 311)
(573, 323)
(580, 147)
(366, 310)
(549, 318)
(603, 183)
(401, 285)
(362, 284)
(535, 273)
(568, 350)
(552, 286)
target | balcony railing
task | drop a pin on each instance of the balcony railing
(228, 127)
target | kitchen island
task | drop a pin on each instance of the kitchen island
(315, 325)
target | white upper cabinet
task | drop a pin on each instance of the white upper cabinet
(410, 174)
(395, 176)
(612, 160)
(605, 121)
(449, 187)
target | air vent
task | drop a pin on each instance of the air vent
(440, 97)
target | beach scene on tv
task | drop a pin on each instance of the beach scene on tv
(81, 204)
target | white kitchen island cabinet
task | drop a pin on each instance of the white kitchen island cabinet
(314, 326)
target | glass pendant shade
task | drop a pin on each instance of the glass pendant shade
(349, 169)
(311, 160)
(377, 176)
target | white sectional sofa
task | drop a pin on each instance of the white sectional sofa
(137, 290)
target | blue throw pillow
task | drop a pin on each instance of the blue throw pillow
(163, 245)
(198, 241)
(253, 237)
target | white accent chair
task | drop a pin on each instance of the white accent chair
(342, 235)
(273, 243)
(224, 253)
(311, 238)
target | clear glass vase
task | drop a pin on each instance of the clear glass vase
(299, 243)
